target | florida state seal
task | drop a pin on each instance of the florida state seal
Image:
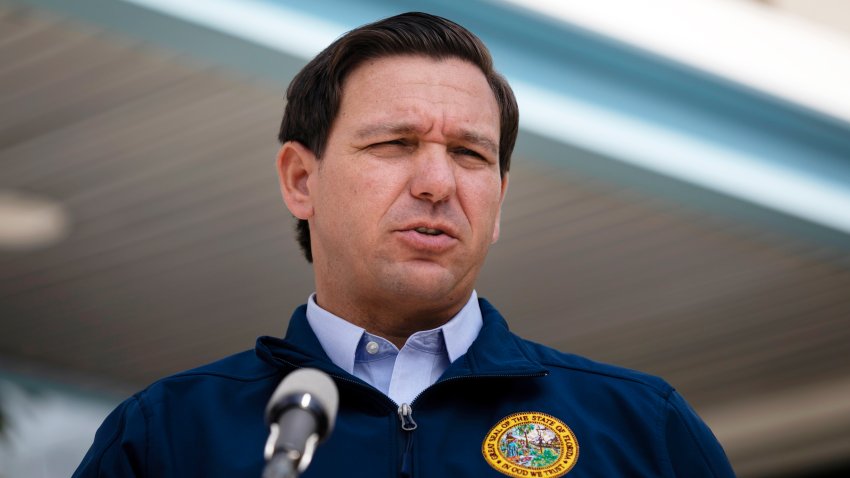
(529, 444)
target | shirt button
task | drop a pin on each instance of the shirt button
(372, 348)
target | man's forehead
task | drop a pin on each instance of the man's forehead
(396, 75)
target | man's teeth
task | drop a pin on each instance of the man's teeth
(429, 231)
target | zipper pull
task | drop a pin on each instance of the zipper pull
(405, 414)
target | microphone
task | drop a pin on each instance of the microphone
(300, 414)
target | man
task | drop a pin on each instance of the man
(396, 148)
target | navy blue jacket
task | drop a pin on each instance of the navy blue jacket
(208, 422)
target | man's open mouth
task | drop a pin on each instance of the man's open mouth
(428, 231)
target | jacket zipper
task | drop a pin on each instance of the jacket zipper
(405, 416)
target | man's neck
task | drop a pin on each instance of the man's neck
(395, 321)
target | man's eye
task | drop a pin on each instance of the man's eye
(469, 152)
(391, 148)
(390, 143)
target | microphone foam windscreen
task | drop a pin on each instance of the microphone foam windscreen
(312, 381)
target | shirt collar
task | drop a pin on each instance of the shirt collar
(340, 339)
(338, 336)
(463, 328)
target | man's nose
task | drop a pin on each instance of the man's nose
(434, 174)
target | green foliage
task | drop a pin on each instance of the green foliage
(544, 459)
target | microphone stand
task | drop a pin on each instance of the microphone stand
(286, 463)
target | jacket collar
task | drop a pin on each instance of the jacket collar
(495, 352)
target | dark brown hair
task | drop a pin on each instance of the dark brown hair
(314, 96)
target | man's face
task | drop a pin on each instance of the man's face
(406, 198)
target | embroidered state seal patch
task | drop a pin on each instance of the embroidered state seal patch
(530, 444)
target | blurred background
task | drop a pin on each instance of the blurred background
(679, 203)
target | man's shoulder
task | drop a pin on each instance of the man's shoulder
(591, 371)
(179, 423)
(577, 370)
(243, 366)
(236, 370)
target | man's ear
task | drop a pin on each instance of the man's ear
(499, 212)
(295, 165)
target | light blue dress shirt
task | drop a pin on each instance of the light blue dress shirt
(399, 374)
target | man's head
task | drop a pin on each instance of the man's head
(397, 141)
(314, 96)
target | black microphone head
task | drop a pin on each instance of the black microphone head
(310, 389)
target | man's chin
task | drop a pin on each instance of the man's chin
(421, 280)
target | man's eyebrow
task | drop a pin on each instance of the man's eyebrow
(385, 128)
